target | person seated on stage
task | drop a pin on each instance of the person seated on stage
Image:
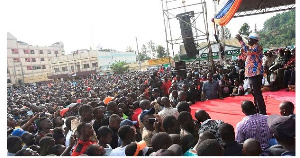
(270, 80)
(226, 86)
(279, 61)
(238, 89)
(289, 72)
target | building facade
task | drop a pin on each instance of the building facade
(27, 63)
(79, 64)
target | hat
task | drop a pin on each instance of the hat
(283, 127)
(18, 132)
(127, 122)
(63, 111)
(145, 112)
(139, 146)
(254, 36)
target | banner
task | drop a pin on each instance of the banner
(159, 61)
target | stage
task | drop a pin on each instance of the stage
(229, 109)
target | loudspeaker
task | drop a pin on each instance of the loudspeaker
(187, 33)
(180, 65)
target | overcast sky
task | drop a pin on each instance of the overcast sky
(89, 23)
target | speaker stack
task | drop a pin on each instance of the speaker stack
(180, 69)
(187, 33)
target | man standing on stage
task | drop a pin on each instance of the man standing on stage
(254, 68)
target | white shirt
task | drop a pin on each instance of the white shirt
(119, 151)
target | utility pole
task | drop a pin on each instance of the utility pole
(138, 53)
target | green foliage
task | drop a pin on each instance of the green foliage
(119, 67)
(245, 29)
(143, 54)
(176, 57)
(279, 30)
(227, 33)
(161, 52)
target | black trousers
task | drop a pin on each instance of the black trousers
(255, 84)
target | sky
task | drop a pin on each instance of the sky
(113, 24)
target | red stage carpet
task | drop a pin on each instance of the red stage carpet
(229, 109)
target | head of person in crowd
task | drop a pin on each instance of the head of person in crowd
(183, 106)
(114, 122)
(57, 149)
(209, 77)
(251, 147)
(155, 93)
(184, 87)
(28, 139)
(46, 144)
(146, 117)
(186, 121)
(201, 115)
(187, 142)
(286, 108)
(161, 141)
(248, 108)
(104, 135)
(182, 96)
(173, 150)
(98, 114)
(283, 129)
(135, 148)
(124, 107)
(145, 104)
(227, 134)
(126, 134)
(68, 123)
(113, 107)
(210, 147)
(85, 131)
(58, 122)
(58, 135)
(35, 148)
(171, 125)
(45, 124)
(204, 136)
(176, 139)
(14, 144)
(26, 152)
(86, 113)
(95, 150)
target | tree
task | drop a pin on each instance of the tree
(119, 67)
(143, 54)
(151, 48)
(227, 33)
(161, 52)
(245, 29)
(176, 57)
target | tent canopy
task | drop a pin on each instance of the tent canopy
(248, 5)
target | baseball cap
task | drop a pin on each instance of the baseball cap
(63, 111)
(146, 112)
(128, 122)
(283, 127)
(254, 35)
(139, 146)
(18, 132)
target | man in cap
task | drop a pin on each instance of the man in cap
(283, 129)
(254, 69)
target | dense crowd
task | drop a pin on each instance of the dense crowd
(147, 113)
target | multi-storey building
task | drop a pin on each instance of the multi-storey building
(27, 63)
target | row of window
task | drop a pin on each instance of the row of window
(37, 67)
(27, 51)
(85, 66)
(27, 59)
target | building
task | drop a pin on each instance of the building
(79, 64)
(27, 63)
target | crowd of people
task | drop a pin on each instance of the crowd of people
(148, 113)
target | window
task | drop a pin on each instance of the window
(32, 52)
(94, 64)
(49, 51)
(33, 60)
(56, 69)
(26, 51)
(43, 66)
(29, 68)
(36, 67)
(41, 52)
(16, 59)
(15, 51)
(42, 59)
(86, 66)
(64, 68)
(27, 59)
